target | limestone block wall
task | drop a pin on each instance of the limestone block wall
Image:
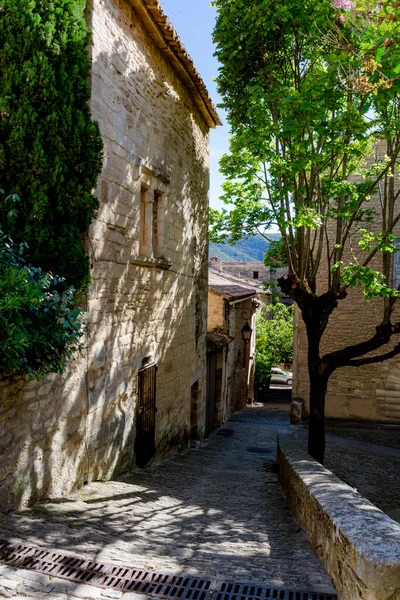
(66, 429)
(247, 269)
(241, 358)
(368, 393)
(216, 317)
(357, 543)
(371, 392)
(238, 360)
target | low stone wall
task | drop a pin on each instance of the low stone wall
(358, 544)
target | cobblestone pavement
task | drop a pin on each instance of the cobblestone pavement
(216, 510)
(372, 469)
(361, 459)
(381, 436)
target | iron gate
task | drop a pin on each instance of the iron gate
(145, 442)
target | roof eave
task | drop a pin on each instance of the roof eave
(166, 38)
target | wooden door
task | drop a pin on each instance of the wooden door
(211, 392)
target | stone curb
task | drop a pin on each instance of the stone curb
(358, 544)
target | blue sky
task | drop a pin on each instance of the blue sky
(194, 22)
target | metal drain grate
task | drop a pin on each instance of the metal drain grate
(229, 590)
(131, 579)
(102, 575)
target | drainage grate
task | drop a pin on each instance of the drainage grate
(229, 590)
(125, 579)
(131, 579)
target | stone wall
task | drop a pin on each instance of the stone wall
(237, 362)
(216, 316)
(368, 393)
(66, 429)
(358, 544)
(247, 269)
(241, 357)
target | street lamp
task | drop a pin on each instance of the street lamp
(246, 332)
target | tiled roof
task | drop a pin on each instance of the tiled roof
(217, 340)
(230, 287)
(166, 38)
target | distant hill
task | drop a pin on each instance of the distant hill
(249, 249)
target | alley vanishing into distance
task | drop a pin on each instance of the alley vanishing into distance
(216, 511)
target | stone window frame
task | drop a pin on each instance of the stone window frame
(153, 186)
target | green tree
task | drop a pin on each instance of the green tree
(50, 149)
(274, 341)
(293, 79)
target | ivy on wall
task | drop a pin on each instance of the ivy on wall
(50, 149)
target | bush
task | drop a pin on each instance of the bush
(50, 149)
(40, 327)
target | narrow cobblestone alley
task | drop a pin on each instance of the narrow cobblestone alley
(216, 510)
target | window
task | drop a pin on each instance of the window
(157, 225)
(151, 221)
(255, 274)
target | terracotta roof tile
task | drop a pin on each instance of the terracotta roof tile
(217, 340)
(165, 36)
(229, 287)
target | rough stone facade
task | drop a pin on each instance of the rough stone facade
(148, 247)
(368, 393)
(230, 305)
(250, 270)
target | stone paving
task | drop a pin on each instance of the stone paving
(216, 510)
(372, 469)
(368, 459)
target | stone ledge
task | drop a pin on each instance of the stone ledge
(358, 544)
(154, 263)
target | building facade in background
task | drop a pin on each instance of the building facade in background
(230, 358)
(138, 389)
(367, 393)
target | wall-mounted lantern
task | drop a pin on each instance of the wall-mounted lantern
(246, 332)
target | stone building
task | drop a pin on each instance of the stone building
(367, 393)
(230, 361)
(253, 273)
(147, 303)
(249, 270)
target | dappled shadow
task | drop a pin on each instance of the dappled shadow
(216, 511)
(66, 429)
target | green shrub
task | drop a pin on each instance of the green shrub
(40, 327)
(50, 149)
(274, 342)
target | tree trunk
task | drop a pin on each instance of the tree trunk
(318, 387)
(316, 429)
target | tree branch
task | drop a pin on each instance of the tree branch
(342, 358)
(375, 359)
